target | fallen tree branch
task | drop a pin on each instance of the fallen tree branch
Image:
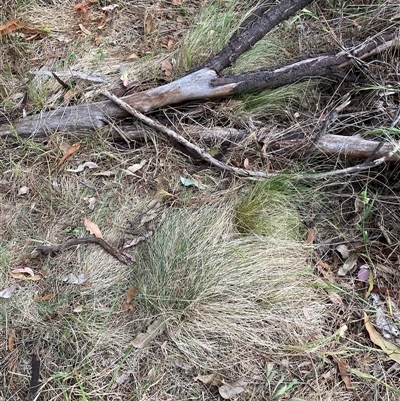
(252, 30)
(356, 169)
(181, 140)
(344, 147)
(200, 85)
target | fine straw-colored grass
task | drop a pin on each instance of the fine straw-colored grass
(227, 269)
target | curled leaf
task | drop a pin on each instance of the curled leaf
(349, 265)
(81, 167)
(27, 270)
(70, 151)
(188, 182)
(22, 276)
(392, 350)
(7, 292)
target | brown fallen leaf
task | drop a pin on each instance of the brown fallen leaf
(11, 26)
(81, 7)
(170, 43)
(131, 56)
(212, 380)
(148, 24)
(166, 68)
(46, 297)
(11, 340)
(344, 373)
(93, 228)
(22, 276)
(130, 296)
(84, 30)
(392, 350)
(310, 236)
(336, 299)
(71, 150)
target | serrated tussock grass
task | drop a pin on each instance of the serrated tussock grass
(222, 293)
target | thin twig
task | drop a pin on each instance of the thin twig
(180, 139)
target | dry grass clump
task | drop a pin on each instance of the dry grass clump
(227, 299)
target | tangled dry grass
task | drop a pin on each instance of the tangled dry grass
(226, 287)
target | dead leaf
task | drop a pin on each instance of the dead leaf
(231, 390)
(93, 228)
(142, 340)
(46, 297)
(78, 309)
(7, 292)
(22, 276)
(170, 43)
(310, 236)
(81, 167)
(84, 30)
(166, 68)
(27, 270)
(130, 296)
(187, 368)
(139, 239)
(137, 167)
(344, 373)
(180, 19)
(177, 2)
(11, 26)
(124, 76)
(70, 151)
(343, 251)
(246, 164)
(131, 56)
(111, 7)
(148, 24)
(349, 264)
(11, 340)
(71, 278)
(212, 380)
(336, 299)
(23, 191)
(388, 348)
(91, 201)
(81, 7)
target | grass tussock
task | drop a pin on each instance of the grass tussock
(223, 294)
(269, 208)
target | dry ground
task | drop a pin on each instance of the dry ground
(225, 285)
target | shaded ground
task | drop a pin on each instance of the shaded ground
(226, 273)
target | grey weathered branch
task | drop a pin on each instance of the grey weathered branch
(200, 85)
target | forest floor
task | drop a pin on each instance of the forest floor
(210, 286)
